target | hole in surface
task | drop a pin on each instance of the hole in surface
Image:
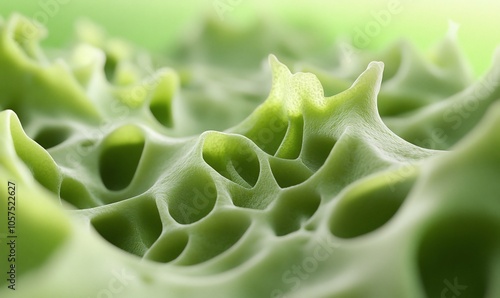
(50, 137)
(232, 158)
(162, 112)
(161, 98)
(456, 255)
(193, 198)
(289, 172)
(268, 132)
(132, 226)
(316, 150)
(110, 67)
(149, 221)
(368, 206)
(215, 236)
(168, 247)
(292, 209)
(122, 151)
(117, 229)
(75, 193)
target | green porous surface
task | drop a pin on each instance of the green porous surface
(291, 170)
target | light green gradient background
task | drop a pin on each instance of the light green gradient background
(156, 24)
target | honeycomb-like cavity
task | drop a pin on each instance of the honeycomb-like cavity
(297, 195)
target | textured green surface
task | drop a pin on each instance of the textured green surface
(221, 178)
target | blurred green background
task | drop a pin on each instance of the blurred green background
(155, 24)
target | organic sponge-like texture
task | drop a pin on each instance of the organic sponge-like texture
(307, 196)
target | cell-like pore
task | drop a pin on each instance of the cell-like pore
(120, 156)
(75, 193)
(194, 196)
(316, 150)
(132, 225)
(217, 234)
(370, 204)
(51, 136)
(292, 209)
(289, 173)
(233, 158)
(164, 89)
(457, 255)
(268, 132)
(169, 247)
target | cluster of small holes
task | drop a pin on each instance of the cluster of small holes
(199, 232)
(135, 225)
(202, 234)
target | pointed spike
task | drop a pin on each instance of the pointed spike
(277, 67)
(361, 97)
(371, 78)
(280, 74)
(449, 57)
